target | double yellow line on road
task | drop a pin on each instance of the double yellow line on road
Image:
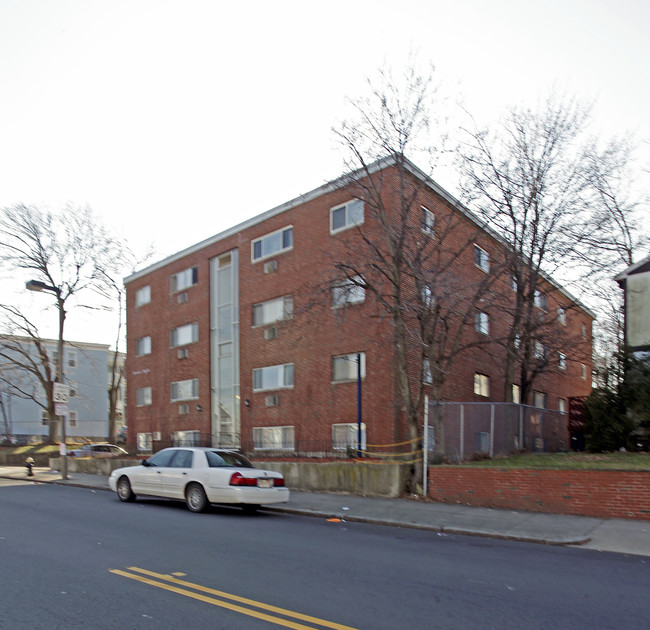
(176, 585)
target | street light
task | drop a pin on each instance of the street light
(37, 285)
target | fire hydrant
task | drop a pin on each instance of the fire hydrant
(29, 464)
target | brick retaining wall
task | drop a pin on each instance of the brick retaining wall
(608, 494)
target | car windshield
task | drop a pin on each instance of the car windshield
(217, 459)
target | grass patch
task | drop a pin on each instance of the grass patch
(570, 461)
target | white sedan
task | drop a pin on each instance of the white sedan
(200, 476)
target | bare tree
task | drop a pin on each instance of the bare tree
(403, 256)
(532, 179)
(69, 251)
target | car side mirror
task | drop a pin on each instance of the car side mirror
(145, 462)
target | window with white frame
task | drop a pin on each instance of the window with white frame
(72, 358)
(350, 291)
(561, 405)
(541, 300)
(584, 331)
(143, 346)
(481, 258)
(184, 279)
(144, 442)
(72, 419)
(516, 394)
(346, 216)
(482, 322)
(345, 367)
(273, 377)
(426, 295)
(428, 221)
(561, 315)
(481, 385)
(540, 400)
(274, 438)
(143, 296)
(346, 435)
(427, 378)
(45, 418)
(185, 390)
(514, 284)
(143, 396)
(183, 335)
(273, 310)
(539, 351)
(186, 438)
(583, 371)
(272, 243)
(561, 363)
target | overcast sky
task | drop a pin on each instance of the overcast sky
(175, 119)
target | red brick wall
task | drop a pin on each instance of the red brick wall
(608, 494)
(315, 334)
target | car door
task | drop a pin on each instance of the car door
(147, 478)
(174, 477)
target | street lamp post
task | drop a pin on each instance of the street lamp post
(36, 285)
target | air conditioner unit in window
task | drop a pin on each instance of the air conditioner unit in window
(156, 436)
(183, 353)
(271, 333)
(270, 266)
(272, 400)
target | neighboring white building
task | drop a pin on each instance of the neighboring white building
(635, 282)
(24, 418)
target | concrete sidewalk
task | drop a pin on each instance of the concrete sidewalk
(617, 535)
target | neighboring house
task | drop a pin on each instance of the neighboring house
(226, 346)
(85, 371)
(635, 282)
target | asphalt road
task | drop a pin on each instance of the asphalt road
(76, 558)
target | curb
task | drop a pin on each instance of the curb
(558, 542)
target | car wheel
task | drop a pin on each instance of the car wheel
(250, 508)
(195, 498)
(124, 491)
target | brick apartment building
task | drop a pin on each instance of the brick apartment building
(248, 339)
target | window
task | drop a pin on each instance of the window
(426, 296)
(347, 435)
(541, 400)
(481, 385)
(481, 258)
(583, 369)
(143, 346)
(273, 377)
(185, 390)
(184, 438)
(514, 284)
(145, 442)
(273, 243)
(72, 358)
(344, 367)
(561, 405)
(181, 336)
(428, 221)
(72, 419)
(143, 396)
(516, 394)
(346, 216)
(539, 351)
(45, 418)
(561, 315)
(482, 322)
(275, 438)
(183, 409)
(584, 331)
(143, 296)
(350, 291)
(272, 310)
(561, 361)
(541, 301)
(184, 279)
(427, 378)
